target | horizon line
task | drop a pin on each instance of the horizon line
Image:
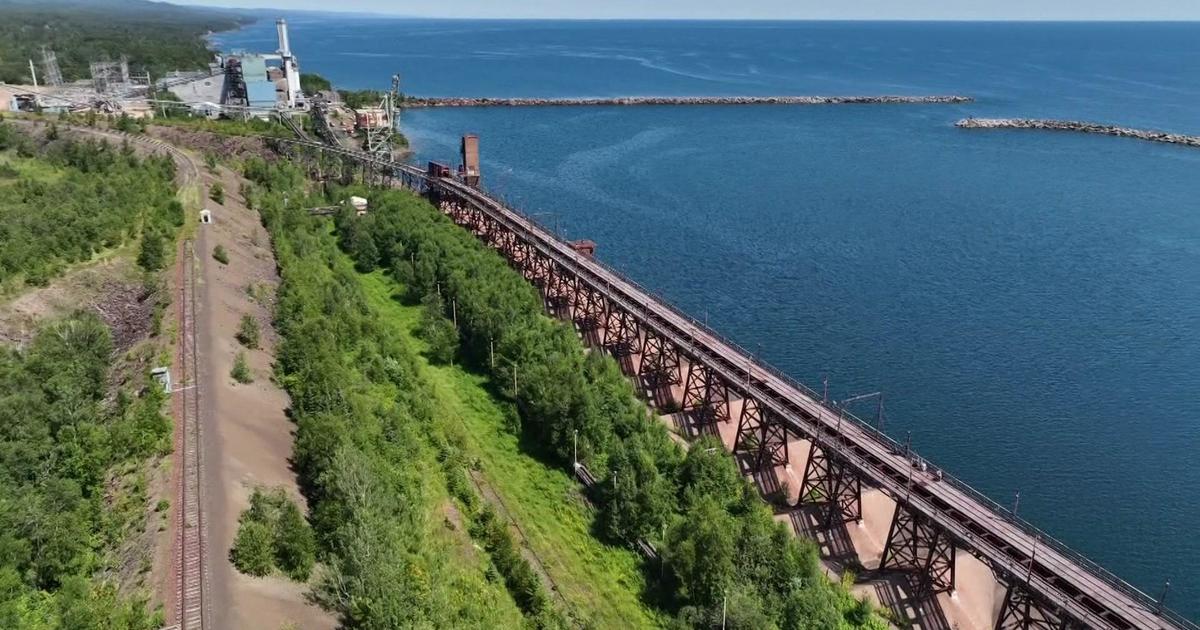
(1027, 20)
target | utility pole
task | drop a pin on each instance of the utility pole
(1162, 599)
(1032, 559)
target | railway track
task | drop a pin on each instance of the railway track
(188, 577)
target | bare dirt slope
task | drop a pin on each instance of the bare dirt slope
(247, 435)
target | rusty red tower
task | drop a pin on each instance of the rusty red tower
(470, 159)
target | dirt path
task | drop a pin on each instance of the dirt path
(248, 437)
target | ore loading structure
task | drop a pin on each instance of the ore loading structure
(936, 527)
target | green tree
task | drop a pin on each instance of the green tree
(700, 551)
(253, 548)
(437, 330)
(312, 83)
(295, 547)
(150, 254)
(126, 124)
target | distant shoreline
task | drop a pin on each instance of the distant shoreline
(1079, 127)
(417, 102)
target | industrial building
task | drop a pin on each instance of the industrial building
(253, 83)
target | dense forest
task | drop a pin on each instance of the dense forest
(364, 449)
(62, 201)
(724, 554)
(156, 36)
(62, 509)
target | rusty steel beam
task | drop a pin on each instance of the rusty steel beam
(829, 481)
(1024, 610)
(622, 333)
(916, 544)
(705, 395)
(588, 312)
(761, 436)
(659, 367)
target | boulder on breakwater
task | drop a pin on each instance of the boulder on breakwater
(416, 102)
(1078, 127)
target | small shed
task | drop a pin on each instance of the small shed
(358, 203)
(206, 216)
(163, 376)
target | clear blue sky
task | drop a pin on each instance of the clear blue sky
(755, 9)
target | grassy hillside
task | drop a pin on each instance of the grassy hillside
(601, 584)
(156, 36)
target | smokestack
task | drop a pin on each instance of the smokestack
(281, 26)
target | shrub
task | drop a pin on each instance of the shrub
(253, 549)
(217, 193)
(248, 334)
(241, 371)
(220, 255)
(277, 536)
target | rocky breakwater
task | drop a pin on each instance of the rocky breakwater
(416, 102)
(1078, 127)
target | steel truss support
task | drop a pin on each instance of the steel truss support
(705, 395)
(659, 367)
(761, 435)
(537, 269)
(1024, 610)
(916, 544)
(557, 290)
(622, 333)
(588, 311)
(504, 240)
(829, 480)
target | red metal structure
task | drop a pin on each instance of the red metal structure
(659, 347)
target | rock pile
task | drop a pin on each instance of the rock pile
(415, 102)
(1080, 127)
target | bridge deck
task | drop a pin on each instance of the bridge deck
(878, 460)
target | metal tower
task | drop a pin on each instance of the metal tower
(379, 137)
(51, 75)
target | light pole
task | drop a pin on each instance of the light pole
(1163, 598)
(575, 449)
(878, 408)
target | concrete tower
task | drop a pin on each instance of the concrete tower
(291, 71)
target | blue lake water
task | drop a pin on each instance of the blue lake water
(1028, 302)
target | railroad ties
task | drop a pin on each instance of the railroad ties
(189, 563)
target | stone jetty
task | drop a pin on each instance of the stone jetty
(1078, 127)
(417, 102)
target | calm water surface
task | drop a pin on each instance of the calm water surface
(1029, 302)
